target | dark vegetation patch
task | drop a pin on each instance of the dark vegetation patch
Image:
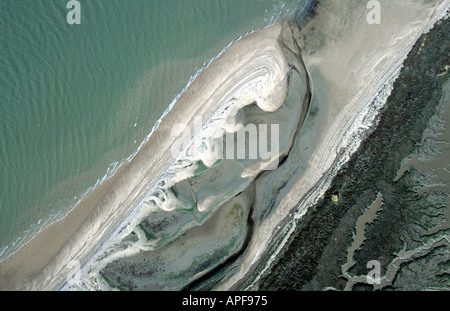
(314, 254)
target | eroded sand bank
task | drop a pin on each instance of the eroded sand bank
(352, 64)
(259, 65)
(348, 60)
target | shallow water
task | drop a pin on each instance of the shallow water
(77, 100)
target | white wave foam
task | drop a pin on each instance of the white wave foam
(37, 228)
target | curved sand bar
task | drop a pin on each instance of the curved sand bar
(349, 63)
(352, 65)
(253, 68)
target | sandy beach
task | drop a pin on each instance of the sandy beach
(42, 264)
(349, 61)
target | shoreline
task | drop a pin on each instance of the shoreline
(110, 173)
(249, 64)
(353, 95)
(42, 263)
(107, 212)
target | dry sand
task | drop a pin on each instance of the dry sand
(350, 61)
(42, 264)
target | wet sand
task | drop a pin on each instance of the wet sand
(42, 264)
(350, 61)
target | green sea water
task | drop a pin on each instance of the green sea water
(78, 100)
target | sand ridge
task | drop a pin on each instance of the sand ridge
(350, 62)
(346, 76)
(42, 264)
